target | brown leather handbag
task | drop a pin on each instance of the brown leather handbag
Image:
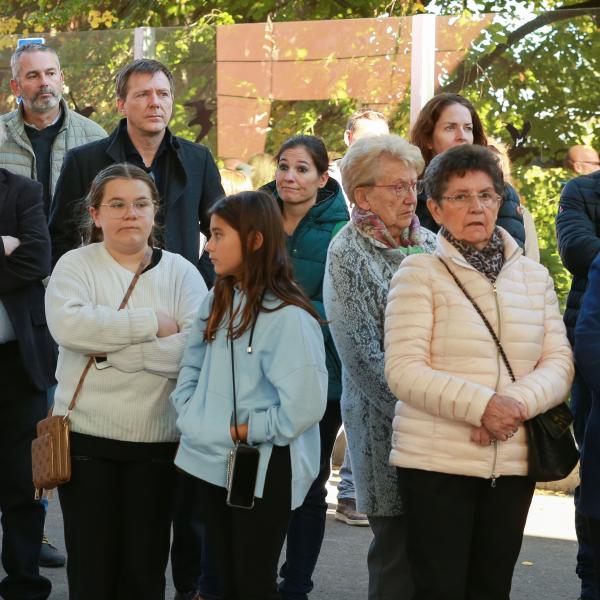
(50, 450)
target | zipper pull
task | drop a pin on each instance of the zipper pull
(493, 484)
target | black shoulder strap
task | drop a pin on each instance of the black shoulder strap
(483, 318)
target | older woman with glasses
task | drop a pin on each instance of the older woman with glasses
(459, 440)
(380, 179)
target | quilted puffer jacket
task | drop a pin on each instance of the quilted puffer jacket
(443, 365)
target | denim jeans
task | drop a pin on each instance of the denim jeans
(307, 526)
(581, 404)
(345, 487)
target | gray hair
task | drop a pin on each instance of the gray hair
(359, 166)
(28, 49)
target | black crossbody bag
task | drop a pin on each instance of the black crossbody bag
(552, 451)
(242, 463)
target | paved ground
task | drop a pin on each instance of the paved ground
(545, 569)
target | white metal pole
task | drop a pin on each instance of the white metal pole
(422, 70)
(143, 42)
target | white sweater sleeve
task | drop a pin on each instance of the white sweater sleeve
(77, 323)
(162, 356)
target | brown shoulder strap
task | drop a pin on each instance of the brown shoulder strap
(90, 361)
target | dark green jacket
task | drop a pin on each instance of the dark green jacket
(307, 247)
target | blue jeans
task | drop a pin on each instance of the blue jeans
(581, 404)
(345, 487)
(307, 526)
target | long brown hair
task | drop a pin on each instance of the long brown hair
(421, 133)
(264, 269)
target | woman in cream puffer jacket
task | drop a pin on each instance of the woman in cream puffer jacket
(458, 435)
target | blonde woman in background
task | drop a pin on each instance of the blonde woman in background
(235, 181)
(263, 169)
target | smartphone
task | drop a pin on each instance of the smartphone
(241, 475)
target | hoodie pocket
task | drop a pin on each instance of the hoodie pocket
(206, 421)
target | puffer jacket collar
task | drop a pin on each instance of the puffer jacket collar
(444, 249)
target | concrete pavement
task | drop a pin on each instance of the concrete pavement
(545, 568)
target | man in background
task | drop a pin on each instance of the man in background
(43, 128)
(582, 160)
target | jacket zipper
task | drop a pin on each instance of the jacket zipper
(464, 263)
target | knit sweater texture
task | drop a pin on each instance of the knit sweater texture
(129, 400)
(355, 289)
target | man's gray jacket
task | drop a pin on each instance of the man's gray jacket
(16, 153)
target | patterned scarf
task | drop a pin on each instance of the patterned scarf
(488, 261)
(371, 226)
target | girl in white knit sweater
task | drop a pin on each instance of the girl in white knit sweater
(117, 506)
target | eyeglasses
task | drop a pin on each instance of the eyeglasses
(485, 198)
(588, 162)
(118, 208)
(402, 189)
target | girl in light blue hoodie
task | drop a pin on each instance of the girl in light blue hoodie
(281, 393)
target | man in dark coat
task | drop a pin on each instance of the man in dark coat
(27, 364)
(578, 233)
(185, 173)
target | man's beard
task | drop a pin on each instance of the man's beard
(40, 105)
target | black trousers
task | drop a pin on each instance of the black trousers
(192, 563)
(246, 544)
(464, 536)
(307, 526)
(21, 407)
(117, 512)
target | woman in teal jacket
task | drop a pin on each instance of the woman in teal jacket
(313, 209)
(257, 334)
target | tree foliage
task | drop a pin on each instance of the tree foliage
(534, 73)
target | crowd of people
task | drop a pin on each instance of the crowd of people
(396, 292)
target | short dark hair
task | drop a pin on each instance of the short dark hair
(140, 65)
(458, 161)
(364, 113)
(314, 146)
(421, 133)
(27, 49)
